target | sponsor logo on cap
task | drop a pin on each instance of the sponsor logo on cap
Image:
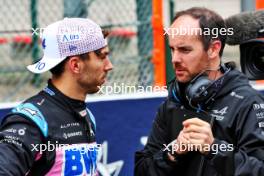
(44, 43)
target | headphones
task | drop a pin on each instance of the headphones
(200, 90)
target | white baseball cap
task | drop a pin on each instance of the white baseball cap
(68, 37)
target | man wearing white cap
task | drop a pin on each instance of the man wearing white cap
(53, 132)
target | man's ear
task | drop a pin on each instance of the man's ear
(74, 64)
(214, 49)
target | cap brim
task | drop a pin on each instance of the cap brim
(44, 65)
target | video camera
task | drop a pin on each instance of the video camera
(252, 58)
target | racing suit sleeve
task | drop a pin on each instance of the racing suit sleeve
(152, 160)
(247, 156)
(19, 145)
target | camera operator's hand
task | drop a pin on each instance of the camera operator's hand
(199, 134)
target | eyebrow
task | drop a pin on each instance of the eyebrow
(181, 46)
(105, 52)
(185, 46)
(102, 53)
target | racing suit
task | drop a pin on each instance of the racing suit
(48, 134)
(238, 128)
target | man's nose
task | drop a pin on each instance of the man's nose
(109, 66)
(176, 58)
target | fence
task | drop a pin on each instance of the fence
(131, 40)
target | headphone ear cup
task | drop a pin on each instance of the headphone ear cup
(174, 92)
(197, 91)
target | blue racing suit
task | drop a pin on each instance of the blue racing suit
(48, 134)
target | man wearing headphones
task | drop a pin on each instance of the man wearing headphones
(212, 122)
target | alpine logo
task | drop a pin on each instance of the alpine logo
(219, 114)
(221, 111)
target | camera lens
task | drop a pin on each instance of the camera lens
(258, 61)
(252, 59)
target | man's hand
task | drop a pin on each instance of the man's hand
(199, 134)
(179, 146)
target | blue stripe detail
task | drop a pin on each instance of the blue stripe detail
(34, 114)
(49, 91)
(174, 95)
(199, 109)
(92, 118)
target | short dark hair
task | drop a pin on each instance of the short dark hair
(208, 19)
(59, 69)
